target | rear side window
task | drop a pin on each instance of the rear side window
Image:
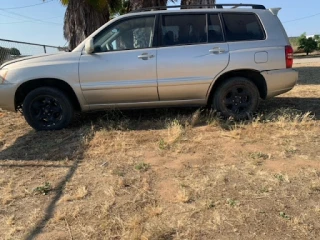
(215, 33)
(242, 27)
(183, 29)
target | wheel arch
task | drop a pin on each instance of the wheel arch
(30, 85)
(253, 75)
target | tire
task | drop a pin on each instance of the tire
(47, 108)
(236, 98)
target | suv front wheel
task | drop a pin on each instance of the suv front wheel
(47, 108)
(237, 98)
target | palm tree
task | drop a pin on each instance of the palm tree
(131, 5)
(83, 17)
(198, 2)
(137, 4)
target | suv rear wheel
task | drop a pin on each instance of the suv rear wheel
(47, 108)
(237, 97)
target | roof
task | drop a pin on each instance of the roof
(200, 7)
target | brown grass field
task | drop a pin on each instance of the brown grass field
(167, 173)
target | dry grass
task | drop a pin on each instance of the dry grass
(167, 174)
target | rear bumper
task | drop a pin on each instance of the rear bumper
(7, 93)
(280, 81)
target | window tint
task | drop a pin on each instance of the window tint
(129, 34)
(242, 27)
(183, 29)
(214, 29)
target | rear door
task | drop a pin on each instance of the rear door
(191, 54)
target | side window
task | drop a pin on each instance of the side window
(242, 27)
(215, 33)
(183, 29)
(129, 34)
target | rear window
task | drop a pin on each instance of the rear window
(242, 27)
(183, 29)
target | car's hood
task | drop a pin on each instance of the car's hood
(38, 59)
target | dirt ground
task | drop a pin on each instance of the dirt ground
(167, 173)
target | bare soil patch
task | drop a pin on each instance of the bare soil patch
(167, 173)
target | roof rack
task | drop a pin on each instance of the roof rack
(219, 6)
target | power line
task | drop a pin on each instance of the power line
(30, 18)
(27, 6)
(297, 19)
(1, 14)
(26, 16)
(15, 22)
(9, 16)
(25, 21)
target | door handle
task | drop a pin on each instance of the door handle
(145, 56)
(217, 50)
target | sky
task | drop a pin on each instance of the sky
(43, 22)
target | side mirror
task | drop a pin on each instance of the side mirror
(89, 46)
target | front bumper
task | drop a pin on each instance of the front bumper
(280, 81)
(7, 94)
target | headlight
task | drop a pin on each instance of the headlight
(3, 75)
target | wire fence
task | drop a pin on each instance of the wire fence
(10, 50)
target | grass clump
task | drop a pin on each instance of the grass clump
(142, 167)
(44, 189)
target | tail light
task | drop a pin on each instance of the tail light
(289, 56)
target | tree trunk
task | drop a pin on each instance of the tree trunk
(138, 4)
(4, 54)
(198, 2)
(81, 19)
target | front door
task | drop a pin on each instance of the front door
(122, 69)
(192, 53)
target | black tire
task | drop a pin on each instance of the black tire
(47, 108)
(237, 98)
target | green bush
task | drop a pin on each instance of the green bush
(308, 45)
(5, 53)
(14, 51)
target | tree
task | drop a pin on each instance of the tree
(131, 5)
(14, 51)
(4, 54)
(307, 44)
(83, 17)
(317, 38)
(137, 4)
(123, 8)
(198, 2)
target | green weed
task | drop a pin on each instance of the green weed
(142, 167)
(43, 190)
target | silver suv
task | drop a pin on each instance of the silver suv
(226, 58)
